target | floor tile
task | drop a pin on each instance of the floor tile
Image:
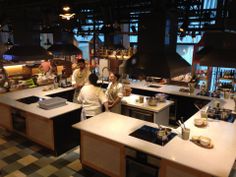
(16, 174)
(2, 164)
(47, 170)
(27, 160)
(12, 167)
(60, 163)
(12, 158)
(2, 141)
(72, 156)
(30, 169)
(76, 165)
(44, 161)
(35, 175)
(11, 150)
(64, 172)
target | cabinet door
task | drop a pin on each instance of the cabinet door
(102, 154)
(5, 119)
(40, 130)
(171, 169)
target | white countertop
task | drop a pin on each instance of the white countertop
(168, 89)
(11, 97)
(132, 101)
(217, 161)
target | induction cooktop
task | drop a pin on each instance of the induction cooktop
(149, 134)
(30, 99)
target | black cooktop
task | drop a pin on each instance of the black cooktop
(154, 86)
(210, 94)
(149, 134)
(29, 100)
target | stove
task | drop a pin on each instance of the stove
(210, 94)
(149, 134)
(221, 114)
(30, 99)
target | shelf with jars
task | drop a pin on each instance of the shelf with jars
(226, 79)
(121, 54)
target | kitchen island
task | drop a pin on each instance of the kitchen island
(132, 107)
(49, 128)
(109, 133)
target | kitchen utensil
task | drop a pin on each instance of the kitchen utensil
(163, 133)
(152, 101)
(141, 99)
(182, 124)
(161, 97)
(185, 133)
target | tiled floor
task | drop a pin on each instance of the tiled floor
(20, 158)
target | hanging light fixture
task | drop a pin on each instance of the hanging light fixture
(66, 13)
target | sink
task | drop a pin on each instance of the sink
(29, 100)
(154, 86)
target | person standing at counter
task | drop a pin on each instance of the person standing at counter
(79, 77)
(114, 93)
(92, 98)
(45, 66)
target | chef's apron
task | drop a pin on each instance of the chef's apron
(112, 95)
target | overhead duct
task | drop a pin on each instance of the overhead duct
(27, 43)
(156, 54)
(219, 49)
(63, 44)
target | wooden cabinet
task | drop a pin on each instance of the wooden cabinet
(138, 113)
(172, 169)
(5, 119)
(103, 155)
(40, 130)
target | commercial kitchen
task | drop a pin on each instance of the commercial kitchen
(177, 66)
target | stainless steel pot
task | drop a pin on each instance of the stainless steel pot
(163, 133)
(152, 101)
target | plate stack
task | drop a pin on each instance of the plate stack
(52, 103)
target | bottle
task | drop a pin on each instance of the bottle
(55, 82)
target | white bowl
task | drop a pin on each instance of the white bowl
(198, 121)
(205, 141)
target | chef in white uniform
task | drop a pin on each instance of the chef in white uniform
(80, 77)
(92, 98)
(114, 93)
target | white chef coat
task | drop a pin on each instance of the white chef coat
(92, 99)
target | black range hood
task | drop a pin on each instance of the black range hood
(27, 42)
(156, 54)
(63, 44)
(26, 53)
(219, 49)
(64, 49)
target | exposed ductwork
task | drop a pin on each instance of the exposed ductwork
(64, 49)
(27, 42)
(157, 48)
(63, 44)
(218, 50)
(26, 53)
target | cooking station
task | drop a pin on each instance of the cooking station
(121, 137)
(29, 112)
(153, 135)
(221, 114)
